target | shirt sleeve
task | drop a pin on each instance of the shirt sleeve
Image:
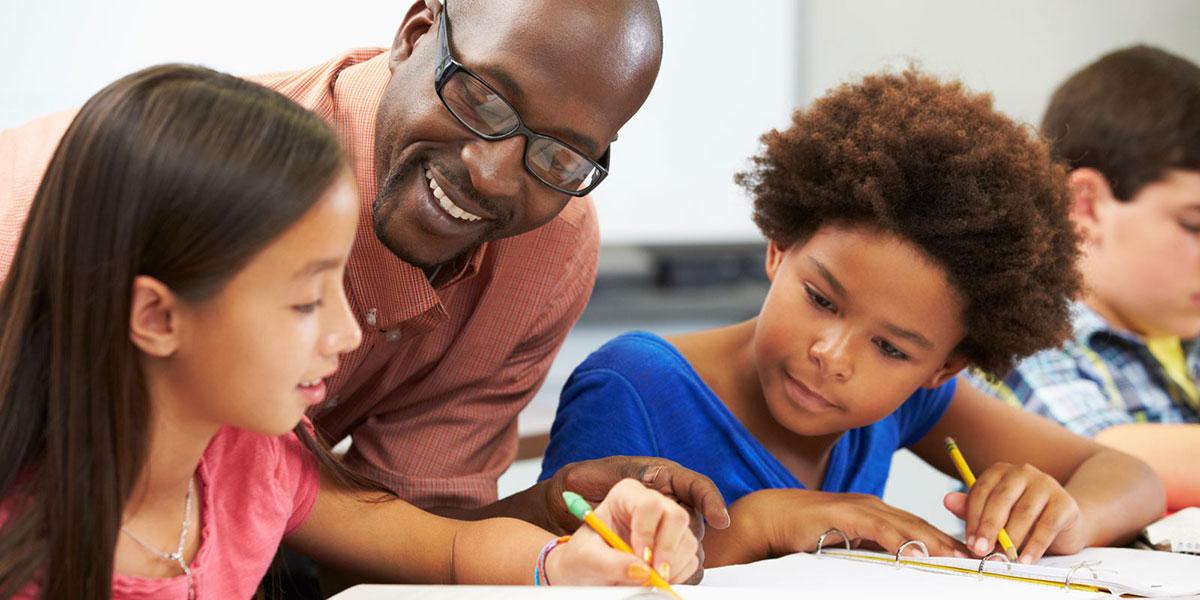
(299, 471)
(467, 433)
(923, 410)
(25, 152)
(600, 414)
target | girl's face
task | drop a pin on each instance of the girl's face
(855, 321)
(257, 354)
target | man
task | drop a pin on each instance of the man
(474, 147)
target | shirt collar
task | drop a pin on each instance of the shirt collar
(1090, 327)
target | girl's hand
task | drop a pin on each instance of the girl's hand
(653, 525)
(776, 522)
(1038, 514)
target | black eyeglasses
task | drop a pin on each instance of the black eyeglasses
(480, 108)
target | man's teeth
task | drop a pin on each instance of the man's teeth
(445, 202)
(310, 383)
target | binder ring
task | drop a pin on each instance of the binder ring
(996, 554)
(821, 540)
(918, 543)
(1083, 565)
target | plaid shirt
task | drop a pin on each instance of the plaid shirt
(1100, 378)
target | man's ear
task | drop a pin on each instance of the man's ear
(953, 366)
(417, 22)
(153, 317)
(1091, 195)
(775, 252)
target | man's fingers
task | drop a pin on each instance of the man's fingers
(690, 488)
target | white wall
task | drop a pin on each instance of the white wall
(731, 70)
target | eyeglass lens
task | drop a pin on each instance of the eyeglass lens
(485, 112)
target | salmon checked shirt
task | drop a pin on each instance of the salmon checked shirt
(432, 395)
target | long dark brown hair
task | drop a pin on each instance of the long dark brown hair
(177, 172)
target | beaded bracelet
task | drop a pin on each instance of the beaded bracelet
(540, 577)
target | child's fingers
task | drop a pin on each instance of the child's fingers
(999, 504)
(1058, 514)
(631, 506)
(682, 574)
(670, 541)
(892, 531)
(689, 550)
(977, 497)
(1025, 513)
(956, 503)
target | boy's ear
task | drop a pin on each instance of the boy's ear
(1090, 197)
(153, 317)
(775, 253)
(953, 366)
(417, 22)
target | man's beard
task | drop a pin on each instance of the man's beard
(390, 193)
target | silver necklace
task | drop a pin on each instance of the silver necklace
(177, 555)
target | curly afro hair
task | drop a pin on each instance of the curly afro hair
(938, 166)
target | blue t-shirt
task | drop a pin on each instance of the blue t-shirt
(638, 396)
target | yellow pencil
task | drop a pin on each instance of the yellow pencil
(581, 509)
(969, 479)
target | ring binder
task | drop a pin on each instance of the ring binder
(845, 540)
(983, 562)
(1083, 565)
(918, 543)
(1115, 571)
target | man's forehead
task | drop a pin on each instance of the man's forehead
(547, 76)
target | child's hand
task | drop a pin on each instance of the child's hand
(775, 522)
(1038, 514)
(648, 521)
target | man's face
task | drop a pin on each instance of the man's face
(567, 70)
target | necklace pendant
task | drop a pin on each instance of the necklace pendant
(174, 557)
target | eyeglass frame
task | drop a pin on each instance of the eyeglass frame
(448, 66)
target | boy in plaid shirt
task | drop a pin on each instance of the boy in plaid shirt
(1128, 125)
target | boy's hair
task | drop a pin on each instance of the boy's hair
(935, 165)
(1132, 115)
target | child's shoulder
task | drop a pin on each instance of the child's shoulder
(637, 354)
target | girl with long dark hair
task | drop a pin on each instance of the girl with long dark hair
(175, 305)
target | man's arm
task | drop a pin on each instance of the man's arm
(1165, 447)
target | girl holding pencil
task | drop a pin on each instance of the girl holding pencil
(913, 232)
(175, 305)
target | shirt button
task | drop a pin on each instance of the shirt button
(372, 317)
(392, 336)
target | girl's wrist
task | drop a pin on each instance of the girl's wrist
(547, 563)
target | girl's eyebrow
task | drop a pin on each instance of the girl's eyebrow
(837, 286)
(316, 266)
(911, 336)
(840, 290)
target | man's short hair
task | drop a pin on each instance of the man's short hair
(1132, 115)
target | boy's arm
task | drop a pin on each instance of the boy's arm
(1162, 446)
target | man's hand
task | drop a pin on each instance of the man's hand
(592, 479)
